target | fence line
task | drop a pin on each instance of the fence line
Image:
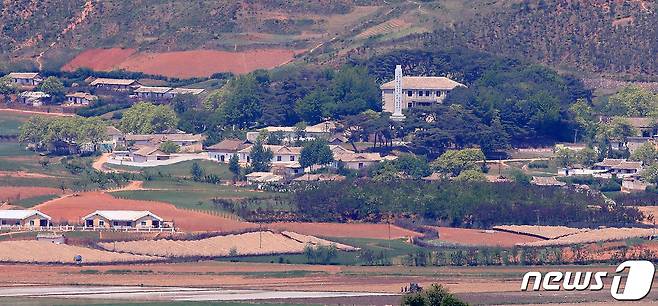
(71, 228)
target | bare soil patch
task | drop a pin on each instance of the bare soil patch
(350, 230)
(182, 64)
(46, 252)
(465, 236)
(73, 208)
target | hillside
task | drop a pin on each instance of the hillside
(612, 37)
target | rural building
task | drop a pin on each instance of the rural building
(289, 134)
(263, 177)
(115, 84)
(34, 98)
(153, 92)
(116, 136)
(122, 219)
(411, 91)
(187, 142)
(546, 181)
(52, 237)
(223, 151)
(80, 98)
(320, 177)
(618, 167)
(185, 91)
(25, 78)
(147, 153)
(356, 161)
(280, 154)
(24, 218)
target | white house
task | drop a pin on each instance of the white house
(411, 91)
(280, 154)
(618, 167)
(25, 78)
(182, 91)
(123, 219)
(24, 218)
(34, 98)
(223, 151)
(147, 153)
(356, 161)
(153, 92)
(187, 142)
(80, 98)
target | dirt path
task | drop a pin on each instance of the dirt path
(100, 162)
(35, 112)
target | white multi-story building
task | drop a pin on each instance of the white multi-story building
(411, 91)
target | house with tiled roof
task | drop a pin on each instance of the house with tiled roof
(224, 150)
(28, 79)
(115, 84)
(80, 98)
(152, 92)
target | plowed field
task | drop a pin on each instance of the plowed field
(350, 230)
(31, 251)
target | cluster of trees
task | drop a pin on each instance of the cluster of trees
(476, 204)
(147, 118)
(320, 254)
(631, 101)
(435, 295)
(60, 133)
(405, 166)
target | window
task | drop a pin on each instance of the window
(221, 158)
(438, 93)
(420, 93)
(292, 157)
(101, 223)
(278, 158)
(410, 104)
(360, 165)
(410, 93)
(143, 223)
(115, 223)
(31, 222)
(427, 93)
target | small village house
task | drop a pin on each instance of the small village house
(115, 84)
(80, 98)
(24, 218)
(116, 137)
(618, 167)
(289, 134)
(27, 79)
(122, 219)
(280, 154)
(185, 91)
(146, 154)
(34, 98)
(263, 177)
(153, 92)
(224, 150)
(187, 142)
(356, 161)
(320, 177)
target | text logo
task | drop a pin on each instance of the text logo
(636, 286)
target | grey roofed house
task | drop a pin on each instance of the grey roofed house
(112, 131)
(182, 91)
(147, 151)
(122, 215)
(108, 81)
(228, 145)
(421, 82)
(24, 75)
(546, 181)
(152, 89)
(607, 163)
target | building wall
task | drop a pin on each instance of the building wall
(358, 165)
(217, 156)
(388, 98)
(109, 223)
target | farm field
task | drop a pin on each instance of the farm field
(181, 64)
(73, 208)
(478, 237)
(253, 243)
(597, 235)
(350, 230)
(181, 169)
(47, 252)
(547, 232)
(17, 193)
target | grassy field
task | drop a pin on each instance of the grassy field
(10, 121)
(182, 169)
(106, 302)
(33, 201)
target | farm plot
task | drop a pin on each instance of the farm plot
(16, 193)
(348, 230)
(46, 252)
(478, 237)
(598, 235)
(306, 239)
(546, 232)
(254, 243)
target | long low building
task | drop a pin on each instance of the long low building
(123, 219)
(24, 218)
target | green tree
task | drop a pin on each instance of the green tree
(147, 118)
(260, 158)
(587, 157)
(197, 172)
(234, 167)
(7, 87)
(315, 152)
(313, 107)
(435, 295)
(650, 174)
(471, 176)
(453, 162)
(646, 153)
(632, 101)
(565, 158)
(412, 165)
(169, 147)
(353, 91)
(54, 87)
(585, 118)
(241, 104)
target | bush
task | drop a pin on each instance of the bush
(610, 186)
(538, 164)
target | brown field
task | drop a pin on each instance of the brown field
(15, 193)
(306, 239)
(604, 234)
(33, 251)
(254, 243)
(465, 236)
(182, 64)
(548, 232)
(73, 208)
(350, 230)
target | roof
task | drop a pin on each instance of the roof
(164, 137)
(21, 214)
(106, 81)
(277, 149)
(182, 91)
(147, 151)
(264, 177)
(609, 162)
(153, 89)
(34, 94)
(421, 82)
(358, 157)
(273, 129)
(111, 131)
(319, 177)
(640, 122)
(322, 127)
(546, 181)
(228, 145)
(122, 215)
(23, 75)
(82, 95)
(628, 165)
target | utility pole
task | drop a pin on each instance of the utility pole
(260, 235)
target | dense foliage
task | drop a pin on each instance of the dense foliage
(146, 118)
(476, 204)
(60, 133)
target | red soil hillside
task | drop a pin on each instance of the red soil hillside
(181, 64)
